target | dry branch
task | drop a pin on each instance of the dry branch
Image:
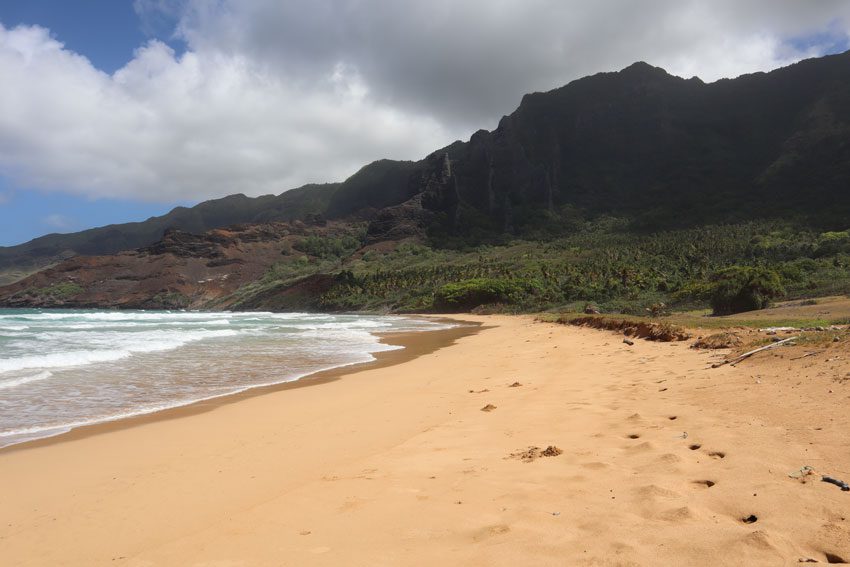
(738, 359)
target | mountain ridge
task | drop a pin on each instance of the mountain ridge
(656, 151)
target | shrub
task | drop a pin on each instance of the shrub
(833, 242)
(743, 288)
(61, 291)
(328, 246)
(694, 290)
(171, 300)
(468, 294)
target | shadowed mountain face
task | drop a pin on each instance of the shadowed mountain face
(640, 144)
(662, 151)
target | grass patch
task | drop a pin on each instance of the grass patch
(60, 291)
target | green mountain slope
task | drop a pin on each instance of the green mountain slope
(659, 151)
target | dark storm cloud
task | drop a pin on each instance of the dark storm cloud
(269, 95)
(469, 62)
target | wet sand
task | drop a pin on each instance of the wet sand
(655, 459)
(414, 344)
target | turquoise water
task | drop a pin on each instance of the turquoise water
(61, 369)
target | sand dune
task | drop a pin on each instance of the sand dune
(593, 453)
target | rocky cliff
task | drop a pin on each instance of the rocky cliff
(654, 150)
(182, 270)
(639, 143)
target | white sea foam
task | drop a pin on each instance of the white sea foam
(61, 359)
(112, 348)
(144, 324)
(117, 316)
(65, 369)
(11, 383)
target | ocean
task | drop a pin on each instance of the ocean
(61, 369)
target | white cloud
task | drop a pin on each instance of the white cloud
(201, 125)
(270, 95)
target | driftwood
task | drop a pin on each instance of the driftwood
(839, 483)
(738, 359)
(807, 354)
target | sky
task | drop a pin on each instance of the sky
(117, 110)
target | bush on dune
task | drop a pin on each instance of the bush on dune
(744, 288)
(472, 293)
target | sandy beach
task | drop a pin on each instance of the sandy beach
(590, 452)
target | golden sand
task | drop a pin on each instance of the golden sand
(593, 453)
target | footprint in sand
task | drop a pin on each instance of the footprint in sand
(668, 463)
(759, 540)
(669, 458)
(654, 491)
(717, 455)
(677, 514)
(320, 550)
(352, 503)
(643, 447)
(490, 531)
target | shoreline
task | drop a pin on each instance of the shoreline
(522, 442)
(413, 344)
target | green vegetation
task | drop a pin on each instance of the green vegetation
(329, 247)
(602, 262)
(60, 291)
(468, 294)
(742, 288)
